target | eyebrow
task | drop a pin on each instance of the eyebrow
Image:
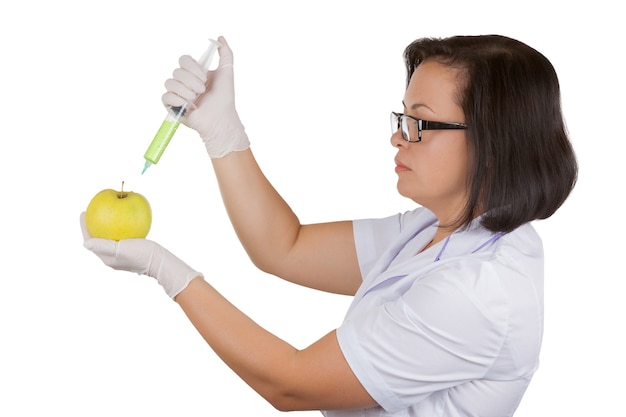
(416, 106)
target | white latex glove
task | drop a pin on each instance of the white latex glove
(214, 115)
(143, 257)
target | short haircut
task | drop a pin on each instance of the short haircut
(521, 163)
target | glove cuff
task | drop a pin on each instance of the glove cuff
(173, 274)
(229, 136)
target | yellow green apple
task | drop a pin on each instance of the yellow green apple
(118, 215)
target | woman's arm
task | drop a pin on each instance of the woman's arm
(321, 256)
(315, 378)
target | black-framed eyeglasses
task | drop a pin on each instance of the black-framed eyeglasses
(412, 127)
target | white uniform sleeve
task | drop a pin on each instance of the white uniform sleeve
(446, 329)
(373, 236)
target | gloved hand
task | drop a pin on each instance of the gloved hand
(143, 257)
(214, 115)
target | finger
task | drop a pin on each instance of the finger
(188, 63)
(181, 90)
(226, 54)
(172, 100)
(102, 247)
(190, 80)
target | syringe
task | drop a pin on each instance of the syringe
(174, 117)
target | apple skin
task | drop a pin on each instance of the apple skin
(118, 215)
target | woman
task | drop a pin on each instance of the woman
(448, 298)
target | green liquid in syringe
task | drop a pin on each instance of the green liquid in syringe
(160, 142)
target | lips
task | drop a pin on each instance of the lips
(400, 167)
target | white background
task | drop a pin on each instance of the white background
(315, 82)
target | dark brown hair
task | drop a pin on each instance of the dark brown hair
(522, 165)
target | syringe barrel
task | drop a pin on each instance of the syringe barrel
(162, 138)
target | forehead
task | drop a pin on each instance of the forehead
(434, 85)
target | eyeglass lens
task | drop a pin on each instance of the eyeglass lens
(409, 127)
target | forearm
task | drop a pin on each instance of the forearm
(321, 256)
(264, 223)
(317, 377)
(261, 359)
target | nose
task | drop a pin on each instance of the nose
(397, 141)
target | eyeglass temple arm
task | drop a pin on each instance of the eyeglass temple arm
(427, 125)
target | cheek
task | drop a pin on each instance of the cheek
(446, 166)
(456, 162)
(446, 152)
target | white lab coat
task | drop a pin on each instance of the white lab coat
(452, 331)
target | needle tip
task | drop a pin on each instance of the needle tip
(145, 167)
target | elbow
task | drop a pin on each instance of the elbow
(272, 256)
(271, 264)
(284, 397)
(281, 407)
(284, 403)
(264, 265)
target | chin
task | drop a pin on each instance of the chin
(410, 194)
(405, 193)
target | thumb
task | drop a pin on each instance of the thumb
(226, 54)
(83, 226)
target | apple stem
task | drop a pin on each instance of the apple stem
(122, 194)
